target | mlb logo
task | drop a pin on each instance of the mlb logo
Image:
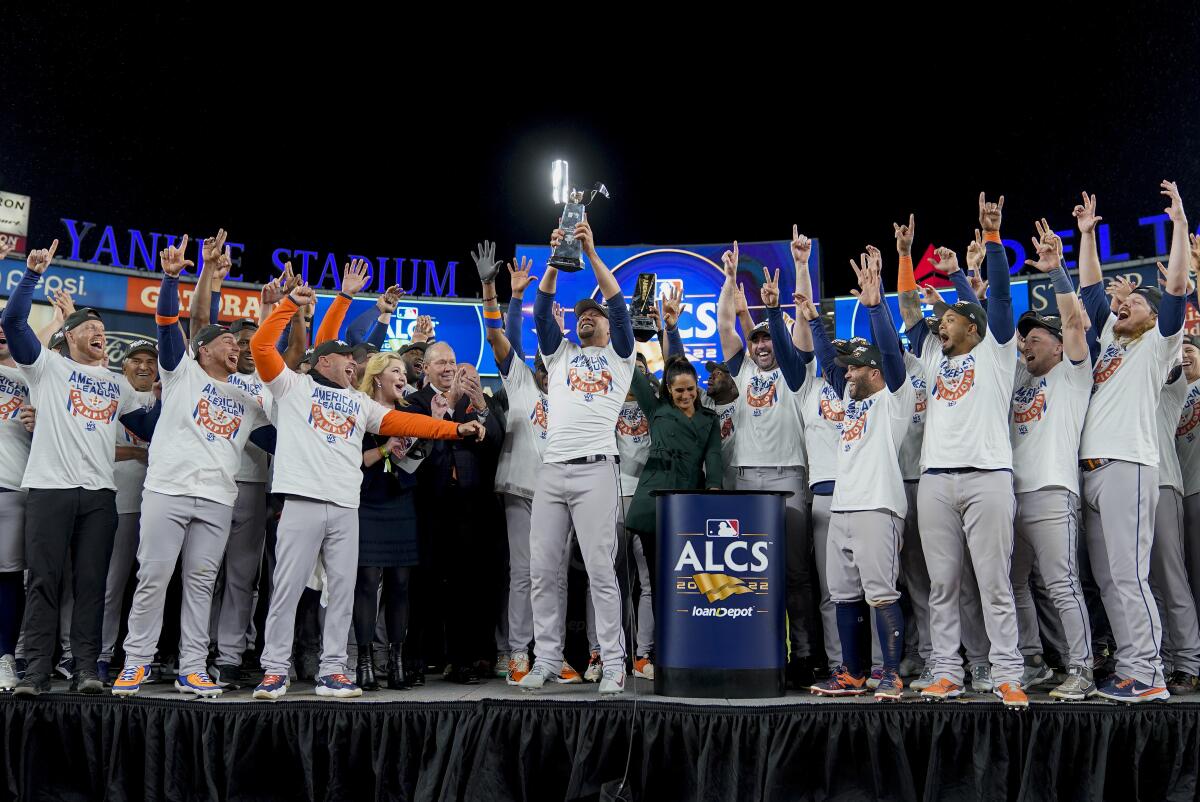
(407, 313)
(675, 284)
(724, 527)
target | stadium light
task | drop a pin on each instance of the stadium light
(560, 180)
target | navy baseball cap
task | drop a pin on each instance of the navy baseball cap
(1153, 296)
(242, 323)
(761, 328)
(80, 316)
(207, 334)
(1032, 320)
(331, 347)
(142, 347)
(58, 340)
(588, 303)
(1193, 341)
(711, 366)
(860, 353)
(972, 312)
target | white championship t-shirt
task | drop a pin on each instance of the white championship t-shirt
(255, 467)
(129, 473)
(77, 407)
(525, 436)
(767, 417)
(910, 449)
(966, 421)
(1187, 439)
(1126, 384)
(871, 433)
(318, 451)
(204, 425)
(1047, 417)
(1170, 406)
(587, 389)
(822, 412)
(633, 445)
(14, 440)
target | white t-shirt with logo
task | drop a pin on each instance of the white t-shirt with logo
(821, 411)
(587, 390)
(14, 440)
(966, 420)
(870, 436)
(525, 435)
(130, 474)
(633, 445)
(204, 425)
(255, 467)
(1187, 439)
(910, 450)
(1170, 406)
(1126, 384)
(767, 417)
(725, 413)
(1047, 417)
(78, 406)
(318, 452)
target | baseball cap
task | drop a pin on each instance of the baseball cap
(364, 349)
(1032, 320)
(207, 335)
(588, 303)
(57, 340)
(860, 353)
(1192, 340)
(308, 356)
(710, 366)
(413, 347)
(141, 347)
(331, 347)
(242, 323)
(972, 312)
(761, 328)
(80, 316)
(848, 346)
(1153, 296)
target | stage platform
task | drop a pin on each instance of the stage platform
(492, 741)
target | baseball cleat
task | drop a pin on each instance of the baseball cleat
(876, 676)
(1036, 672)
(642, 667)
(1076, 687)
(198, 684)
(338, 686)
(981, 679)
(272, 687)
(130, 680)
(1011, 694)
(924, 681)
(1181, 683)
(567, 676)
(518, 667)
(942, 689)
(613, 681)
(536, 678)
(890, 687)
(1132, 691)
(8, 673)
(842, 683)
(595, 668)
(501, 668)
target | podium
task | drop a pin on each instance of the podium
(719, 600)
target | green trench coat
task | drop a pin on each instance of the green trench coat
(685, 453)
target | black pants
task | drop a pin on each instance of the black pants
(461, 549)
(366, 604)
(57, 522)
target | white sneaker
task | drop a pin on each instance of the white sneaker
(518, 667)
(8, 673)
(925, 680)
(613, 682)
(536, 678)
(642, 667)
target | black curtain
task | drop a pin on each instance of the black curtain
(72, 748)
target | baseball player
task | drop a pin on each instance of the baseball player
(579, 484)
(965, 497)
(1187, 445)
(1118, 451)
(869, 504)
(70, 504)
(140, 366)
(187, 502)
(769, 451)
(321, 421)
(14, 454)
(1049, 402)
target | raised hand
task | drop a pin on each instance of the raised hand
(212, 247)
(1085, 214)
(905, 235)
(976, 252)
(1119, 289)
(946, 262)
(1194, 253)
(221, 267)
(672, 306)
(1175, 210)
(355, 276)
(6, 247)
(172, 258)
(472, 389)
(423, 331)
(979, 284)
(386, 304)
(990, 213)
(303, 295)
(1162, 278)
(556, 236)
(929, 295)
(740, 305)
(801, 247)
(518, 275)
(1048, 247)
(560, 317)
(868, 281)
(63, 300)
(875, 260)
(805, 306)
(769, 291)
(583, 233)
(485, 261)
(38, 260)
(729, 264)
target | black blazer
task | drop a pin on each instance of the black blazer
(462, 461)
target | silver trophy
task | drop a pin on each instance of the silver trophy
(644, 300)
(568, 254)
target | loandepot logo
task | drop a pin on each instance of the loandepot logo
(722, 612)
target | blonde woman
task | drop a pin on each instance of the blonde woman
(387, 529)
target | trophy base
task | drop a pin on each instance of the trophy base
(644, 329)
(565, 264)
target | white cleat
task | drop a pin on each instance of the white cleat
(536, 678)
(613, 682)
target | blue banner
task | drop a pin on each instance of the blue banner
(87, 287)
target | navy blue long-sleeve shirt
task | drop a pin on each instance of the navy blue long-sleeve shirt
(834, 373)
(171, 346)
(512, 331)
(22, 341)
(889, 347)
(793, 363)
(1000, 318)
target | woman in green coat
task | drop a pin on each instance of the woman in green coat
(685, 447)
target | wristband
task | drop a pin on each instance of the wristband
(383, 452)
(347, 297)
(992, 236)
(1061, 281)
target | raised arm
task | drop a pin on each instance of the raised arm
(801, 251)
(672, 307)
(792, 361)
(1171, 310)
(906, 281)
(870, 295)
(731, 342)
(1000, 319)
(947, 265)
(22, 342)
(171, 345)
(217, 262)
(825, 352)
(620, 325)
(505, 338)
(267, 360)
(1048, 247)
(354, 278)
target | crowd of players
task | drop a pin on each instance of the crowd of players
(987, 502)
